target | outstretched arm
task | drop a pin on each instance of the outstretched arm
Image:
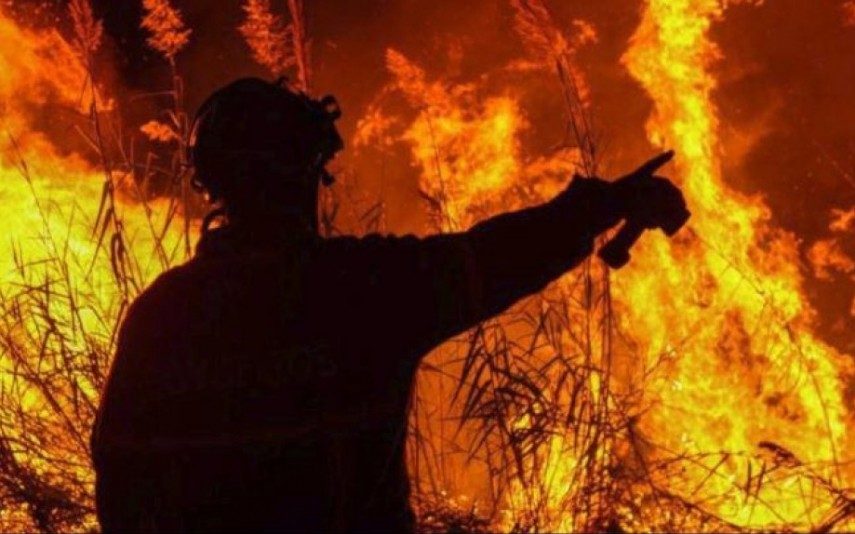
(437, 287)
(471, 276)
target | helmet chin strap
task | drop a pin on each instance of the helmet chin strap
(319, 168)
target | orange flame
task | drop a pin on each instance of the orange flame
(744, 407)
(741, 408)
(50, 249)
(745, 370)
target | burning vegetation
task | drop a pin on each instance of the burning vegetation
(690, 391)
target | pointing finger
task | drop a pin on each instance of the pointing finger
(649, 168)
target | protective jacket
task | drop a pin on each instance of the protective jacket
(264, 385)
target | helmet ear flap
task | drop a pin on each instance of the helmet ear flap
(326, 111)
(330, 106)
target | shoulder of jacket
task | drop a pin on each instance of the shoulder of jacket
(161, 296)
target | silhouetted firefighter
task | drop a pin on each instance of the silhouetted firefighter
(264, 385)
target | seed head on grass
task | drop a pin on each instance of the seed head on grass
(168, 34)
(88, 32)
(268, 37)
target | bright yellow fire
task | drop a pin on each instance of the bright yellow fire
(744, 415)
(58, 294)
(744, 372)
(719, 400)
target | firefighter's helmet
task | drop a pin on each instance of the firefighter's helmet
(255, 129)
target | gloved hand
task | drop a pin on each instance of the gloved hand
(647, 202)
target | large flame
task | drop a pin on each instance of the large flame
(744, 368)
(59, 294)
(700, 356)
(744, 407)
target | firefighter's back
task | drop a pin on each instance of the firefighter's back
(250, 390)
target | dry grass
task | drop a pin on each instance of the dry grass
(167, 32)
(268, 37)
(59, 317)
(531, 389)
(537, 406)
(278, 46)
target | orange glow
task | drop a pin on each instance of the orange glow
(267, 37)
(743, 406)
(58, 293)
(694, 390)
(744, 368)
(168, 35)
